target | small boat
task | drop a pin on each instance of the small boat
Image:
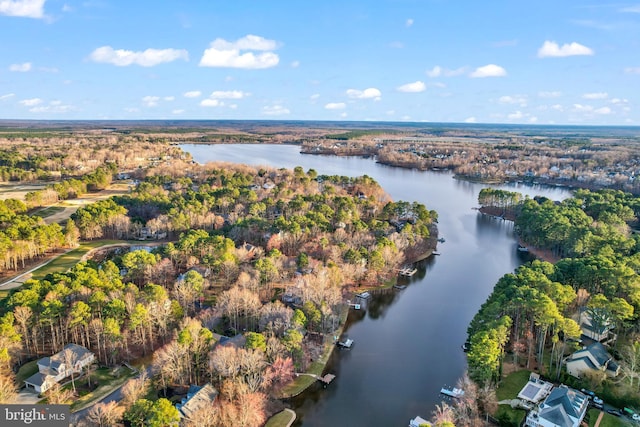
(346, 344)
(522, 249)
(400, 287)
(441, 240)
(466, 346)
(419, 421)
(452, 392)
(364, 295)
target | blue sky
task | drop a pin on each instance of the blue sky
(542, 62)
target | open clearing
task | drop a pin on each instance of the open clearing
(60, 212)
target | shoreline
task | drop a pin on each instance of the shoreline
(538, 253)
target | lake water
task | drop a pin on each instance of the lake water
(407, 343)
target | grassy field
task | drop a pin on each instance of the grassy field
(48, 211)
(607, 420)
(509, 388)
(281, 419)
(68, 260)
(108, 379)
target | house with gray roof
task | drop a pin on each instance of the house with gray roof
(564, 407)
(593, 357)
(198, 397)
(598, 328)
(53, 369)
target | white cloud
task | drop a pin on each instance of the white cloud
(549, 94)
(275, 110)
(53, 107)
(490, 70)
(596, 95)
(230, 94)
(169, 98)
(435, 71)
(438, 71)
(223, 53)
(414, 87)
(602, 110)
(31, 102)
(343, 114)
(7, 96)
(22, 8)
(211, 103)
(582, 108)
(295, 64)
(21, 68)
(515, 116)
(150, 101)
(613, 101)
(409, 22)
(368, 93)
(396, 45)
(471, 120)
(552, 49)
(335, 106)
(515, 99)
(177, 111)
(145, 58)
(192, 94)
(314, 96)
(632, 70)
(631, 9)
(132, 110)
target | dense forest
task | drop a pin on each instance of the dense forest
(236, 242)
(533, 314)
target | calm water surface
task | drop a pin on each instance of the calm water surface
(407, 343)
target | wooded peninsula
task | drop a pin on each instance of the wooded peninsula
(235, 279)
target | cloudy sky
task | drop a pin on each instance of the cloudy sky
(500, 61)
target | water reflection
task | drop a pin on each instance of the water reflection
(407, 342)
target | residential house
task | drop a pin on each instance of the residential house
(198, 397)
(593, 357)
(53, 369)
(598, 330)
(564, 407)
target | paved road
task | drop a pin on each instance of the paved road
(114, 396)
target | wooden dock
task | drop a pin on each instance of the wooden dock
(326, 379)
(407, 271)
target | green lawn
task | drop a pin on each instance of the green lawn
(108, 379)
(511, 385)
(607, 420)
(26, 371)
(48, 211)
(509, 388)
(68, 260)
(281, 419)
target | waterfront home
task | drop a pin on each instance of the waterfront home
(55, 368)
(535, 389)
(197, 398)
(564, 407)
(596, 329)
(593, 357)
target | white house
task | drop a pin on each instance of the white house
(596, 330)
(53, 369)
(564, 407)
(593, 357)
